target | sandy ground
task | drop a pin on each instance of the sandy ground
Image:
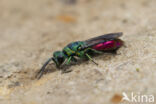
(31, 30)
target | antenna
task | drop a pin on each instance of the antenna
(40, 72)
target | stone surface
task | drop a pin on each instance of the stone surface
(31, 30)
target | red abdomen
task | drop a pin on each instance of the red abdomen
(109, 45)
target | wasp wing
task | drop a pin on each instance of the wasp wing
(102, 38)
(105, 37)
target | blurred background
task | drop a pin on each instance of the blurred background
(31, 30)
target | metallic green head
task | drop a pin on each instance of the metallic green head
(58, 57)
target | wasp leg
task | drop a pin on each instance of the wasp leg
(99, 52)
(73, 59)
(68, 60)
(67, 63)
(91, 59)
(90, 49)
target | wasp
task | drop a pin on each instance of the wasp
(82, 50)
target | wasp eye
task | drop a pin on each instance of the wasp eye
(60, 59)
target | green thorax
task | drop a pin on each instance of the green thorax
(72, 49)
